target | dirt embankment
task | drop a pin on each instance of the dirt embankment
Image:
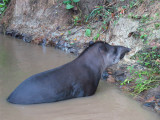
(134, 24)
(46, 22)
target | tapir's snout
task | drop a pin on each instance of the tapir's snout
(128, 50)
(124, 51)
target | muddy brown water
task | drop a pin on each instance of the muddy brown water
(19, 60)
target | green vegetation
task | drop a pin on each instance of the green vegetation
(96, 37)
(143, 19)
(157, 25)
(105, 13)
(88, 32)
(149, 58)
(76, 19)
(70, 3)
(142, 80)
(3, 5)
(100, 11)
(148, 78)
(144, 37)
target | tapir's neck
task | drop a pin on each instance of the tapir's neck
(93, 60)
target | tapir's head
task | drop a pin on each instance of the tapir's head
(112, 54)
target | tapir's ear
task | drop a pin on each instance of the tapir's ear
(90, 43)
(103, 49)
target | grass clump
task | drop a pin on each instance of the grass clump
(141, 80)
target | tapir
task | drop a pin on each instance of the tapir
(78, 78)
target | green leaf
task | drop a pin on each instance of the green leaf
(124, 6)
(147, 63)
(143, 36)
(155, 47)
(69, 6)
(104, 22)
(2, 9)
(98, 12)
(157, 14)
(2, 5)
(71, 43)
(157, 25)
(6, 2)
(69, 32)
(76, 1)
(67, 2)
(88, 32)
(96, 37)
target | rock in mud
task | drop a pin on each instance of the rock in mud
(60, 44)
(18, 35)
(111, 79)
(157, 109)
(120, 76)
(150, 104)
(153, 99)
(104, 75)
(157, 96)
(27, 38)
(9, 32)
(153, 92)
(14, 33)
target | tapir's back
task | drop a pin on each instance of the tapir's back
(40, 88)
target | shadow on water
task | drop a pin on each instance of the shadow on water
(19, 60)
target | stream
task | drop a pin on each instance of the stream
(19, 60)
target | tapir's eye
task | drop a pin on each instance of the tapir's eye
(122, 56)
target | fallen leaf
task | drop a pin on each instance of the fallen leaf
(150, 99)
(122, 11)
(112, 14)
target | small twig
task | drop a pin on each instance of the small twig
(67, 28)
(75, 32)
(111, 4)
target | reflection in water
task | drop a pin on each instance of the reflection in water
(19, 60)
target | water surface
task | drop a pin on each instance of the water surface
(19, 60)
